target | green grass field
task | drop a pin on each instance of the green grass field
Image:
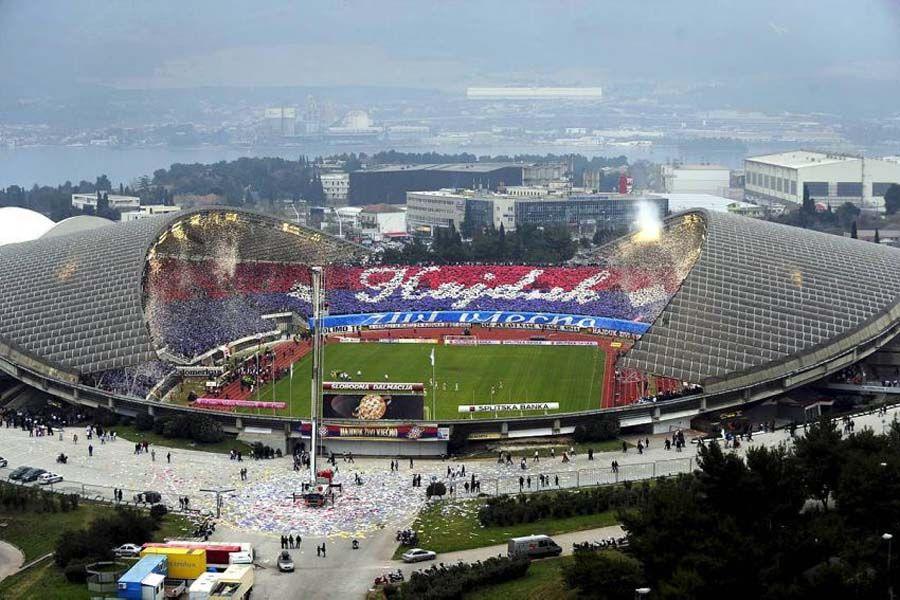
(570, 375)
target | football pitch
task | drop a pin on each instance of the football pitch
(570, 375)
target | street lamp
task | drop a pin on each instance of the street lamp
(641, 592)
(888, 537)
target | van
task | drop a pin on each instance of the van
(533, 546)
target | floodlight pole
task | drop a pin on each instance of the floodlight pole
(316, 392)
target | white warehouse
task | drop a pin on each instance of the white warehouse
(830, 179)
(697, 179)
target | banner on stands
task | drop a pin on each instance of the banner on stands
(229, 403)
(486, 318)
(200, 371)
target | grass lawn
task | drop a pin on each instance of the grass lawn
(452, 526)
(128, 432)
(36, 534)
(570, 375)
(43, 581)
(542, 582)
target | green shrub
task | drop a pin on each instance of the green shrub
(608, 575)
(509, 510)
(144, 422)
(436, 488)
(459, 579)
(75, 573)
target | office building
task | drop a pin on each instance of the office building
(829, 179)
(117, 202)
(142, 212)
(378, 221)
(336, 187)
(584, 213)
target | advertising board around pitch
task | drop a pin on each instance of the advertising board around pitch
(512, 407)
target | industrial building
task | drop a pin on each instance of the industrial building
(696, 179)
(429, 210)
(389, 184)
(829, 179)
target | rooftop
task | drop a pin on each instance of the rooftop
(457, 167)
(801, 158)
(382, 208)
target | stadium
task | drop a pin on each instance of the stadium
(210, 310)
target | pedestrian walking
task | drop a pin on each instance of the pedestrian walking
(90, 450)
(169, 457)
(153, 455)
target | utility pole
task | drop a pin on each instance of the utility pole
(218, 494)
(318, 293)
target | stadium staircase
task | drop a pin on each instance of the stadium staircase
(286, 354)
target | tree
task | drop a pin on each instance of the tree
(809, 205)
(846, 214)
(892, 199)
(820, 459)
(607, 575)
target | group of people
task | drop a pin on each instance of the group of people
(543, 482)
(184, 502)
(289, 542)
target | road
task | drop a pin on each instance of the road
(563, 539)
(11, 559)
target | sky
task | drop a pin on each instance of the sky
(446, 45)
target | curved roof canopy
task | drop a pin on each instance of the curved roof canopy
(74, 302)
(77, 223)
(763, 292)
(21, 225)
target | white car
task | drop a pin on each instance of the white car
(418, 555)
(3, 462)
(127, 550)
(49, 478)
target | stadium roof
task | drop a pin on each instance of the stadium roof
(77, 223)
(758, 296)
(21, 225)
(75, 302)
(761, 293)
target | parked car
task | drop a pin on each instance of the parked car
(18, 472)
(47, 478)
(285, 562)
(32, 475)
(3, 462)
(418, 555)
(127, 550)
